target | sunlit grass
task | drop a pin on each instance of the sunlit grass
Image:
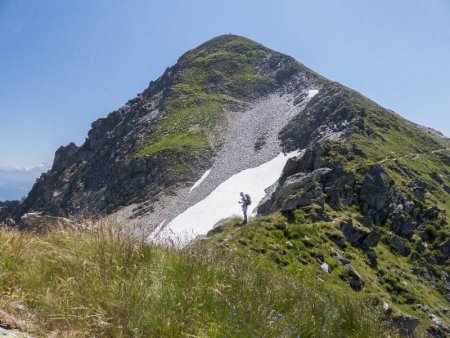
(101, 282)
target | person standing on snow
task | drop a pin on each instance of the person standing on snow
(245, 202)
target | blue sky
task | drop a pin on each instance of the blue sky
(65, 63)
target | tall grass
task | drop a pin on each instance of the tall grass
(100, 282)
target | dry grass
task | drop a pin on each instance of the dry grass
(99, 282)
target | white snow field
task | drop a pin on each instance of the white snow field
(312, 93)
(204, 176)
(223, 201)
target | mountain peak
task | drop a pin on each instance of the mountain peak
(350, 189)
(231, 65)
(228, 42)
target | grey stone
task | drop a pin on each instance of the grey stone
(445, 249)
(406, 323)
(325, 267)
(374, 194)
(400, 247)
(216, 230)
(439, 323)
(402, 225)
(352, 277)
(359, 236)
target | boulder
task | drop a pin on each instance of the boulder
(356, 281)
(353, 278)
(445, 249)
(418, 187)
(325, 267)
(305, 181)
(400, 247)
(372, 258)
(431, 213)
(407, 324)
(374, 193)
(216, 230)
(358, 235)
(440, 324)
(402, 224)
(295, 201)
(307, 161)
(296, 191)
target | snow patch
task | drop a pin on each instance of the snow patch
(223, 201)
(312, 93)
(204, 176)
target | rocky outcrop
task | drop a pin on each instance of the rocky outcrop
(402, 224)
(329, 115)
(352, 277)
(374, 194)
(307, 179)
(358, 235)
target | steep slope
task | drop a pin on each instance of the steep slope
(341, 180)
(227, 95)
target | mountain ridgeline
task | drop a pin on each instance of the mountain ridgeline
(371, 188)
(168, 133)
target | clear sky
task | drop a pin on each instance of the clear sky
(65, 63)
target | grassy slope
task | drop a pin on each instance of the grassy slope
(195, 106)
(223, 72)
(294, 247)
(409, 153)
(101, 283)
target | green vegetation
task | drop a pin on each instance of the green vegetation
(413, 157)
(223, 72)
(191, 119)
(99, 282)
(300, 247)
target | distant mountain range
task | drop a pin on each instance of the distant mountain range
(15, 183)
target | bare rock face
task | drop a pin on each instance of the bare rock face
(64, 156)
(374, 194)
(402, 224)
(327, 116)
(307, 179)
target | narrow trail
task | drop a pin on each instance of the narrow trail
(413, 156)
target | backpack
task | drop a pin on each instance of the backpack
(248, 200)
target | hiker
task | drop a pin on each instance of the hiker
(245, 202)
